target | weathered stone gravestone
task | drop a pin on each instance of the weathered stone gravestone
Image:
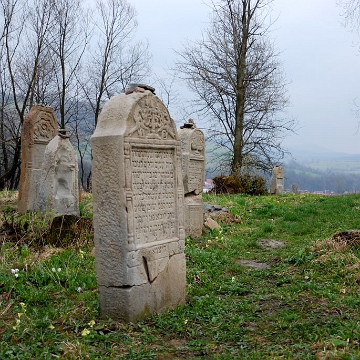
(193, 166)
(277, 181)
(58, 190)
(39, 127)
(138, 207)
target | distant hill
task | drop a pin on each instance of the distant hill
(318, 158)
(320, 170)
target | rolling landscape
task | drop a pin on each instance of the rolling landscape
(308, 170)
(320, 171)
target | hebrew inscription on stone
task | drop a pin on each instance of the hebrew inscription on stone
(154, 194)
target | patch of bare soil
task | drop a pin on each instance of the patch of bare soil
(177, 343)
(270, 244)
(253, 264)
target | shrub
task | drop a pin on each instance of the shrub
(244, 183)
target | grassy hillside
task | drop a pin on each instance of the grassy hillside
(246, 297)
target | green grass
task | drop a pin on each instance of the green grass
(304, 306)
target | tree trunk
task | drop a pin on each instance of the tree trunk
(240, 92)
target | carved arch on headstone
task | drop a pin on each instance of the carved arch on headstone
(151, 120)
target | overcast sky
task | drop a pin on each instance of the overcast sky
(320, 58)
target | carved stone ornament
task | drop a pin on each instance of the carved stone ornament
(198, 143)
(44, 128)
(152, 120)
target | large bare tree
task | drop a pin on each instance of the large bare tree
(236, 76)
(67, 43)
(114, 59)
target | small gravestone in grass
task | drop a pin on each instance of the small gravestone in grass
(138, 207)
(58, 190)
(40, 126)
(277, 181)
(193, 167)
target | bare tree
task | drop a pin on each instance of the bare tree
(236, 76)
(116, 60)
(113, 61)
(22, 48)
(81, 128)
(67, 42)
(351, 13)
(9, 130)
(168, 90)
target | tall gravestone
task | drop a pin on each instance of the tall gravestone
(40, 126)
(138, 207)
(193, 166)
(58, 190)
(277, 181)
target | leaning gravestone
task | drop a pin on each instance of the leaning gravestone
(39, 127)
(58, 190)
(138, 207)
(193, 166)
(277, 181)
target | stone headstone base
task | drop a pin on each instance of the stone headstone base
(129, 303)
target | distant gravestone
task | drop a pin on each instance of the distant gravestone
(277, 181)
(39, 127)
(138, 207)
(193, 166)
(58, 190)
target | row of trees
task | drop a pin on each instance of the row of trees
(73, 57)
(67, 55)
